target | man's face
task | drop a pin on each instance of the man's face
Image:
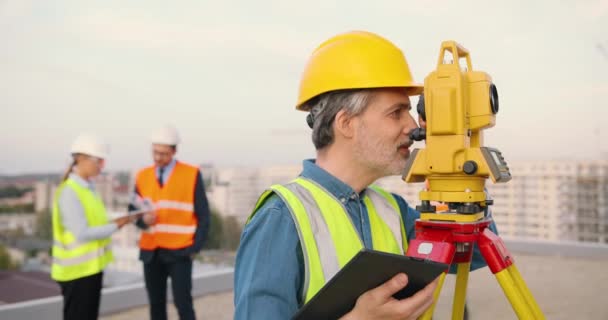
(162, 154)
(381, 139)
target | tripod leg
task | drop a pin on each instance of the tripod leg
(516, 298)
(460, 292)
(500, 262)
(428, 314)
(523, 288)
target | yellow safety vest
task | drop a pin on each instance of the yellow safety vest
(327, 235)
(73, 259)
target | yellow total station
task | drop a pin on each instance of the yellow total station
(458, 103)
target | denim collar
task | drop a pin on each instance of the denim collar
(333, 185)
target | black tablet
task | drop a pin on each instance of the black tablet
(367, 270)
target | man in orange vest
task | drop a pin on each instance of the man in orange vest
(175, 230)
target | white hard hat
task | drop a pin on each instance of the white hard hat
(166, 135)
(90, 145)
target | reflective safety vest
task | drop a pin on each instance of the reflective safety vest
(73, 259)
(327, 235)
(174, 204)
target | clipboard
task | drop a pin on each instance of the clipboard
(133, 215)
(136, 214)
(367, 270)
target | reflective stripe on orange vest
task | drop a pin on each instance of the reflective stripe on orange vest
(171, 228)
(174, 207)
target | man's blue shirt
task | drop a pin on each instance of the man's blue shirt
(269, 268)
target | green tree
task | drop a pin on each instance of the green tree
(13, 191)
(6, 263)
(19, 208)
(214, 239)
(231, 233)
(14, 233)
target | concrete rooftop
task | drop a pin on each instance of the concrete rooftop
(565, 288)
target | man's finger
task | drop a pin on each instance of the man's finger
(419, 302)
(392, 286)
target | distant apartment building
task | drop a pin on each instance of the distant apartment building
(105, 185)
(44, 192)
(234, 191)
(43, 195)
(18, 221)
(550, 200)
(554, 200)
(125, 247)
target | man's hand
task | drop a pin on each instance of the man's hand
(149, 218)
(120, 222)
(378, 303)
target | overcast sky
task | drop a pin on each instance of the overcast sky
(226, 73)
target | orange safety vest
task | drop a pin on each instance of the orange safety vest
(174, 203)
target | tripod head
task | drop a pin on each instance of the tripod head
(458, 104)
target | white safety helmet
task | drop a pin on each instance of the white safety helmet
(90, 145)
(166, 135)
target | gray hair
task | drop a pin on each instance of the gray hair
(324, 108)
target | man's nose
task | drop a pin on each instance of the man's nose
(410, 125)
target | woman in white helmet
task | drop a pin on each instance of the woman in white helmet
(81, 231)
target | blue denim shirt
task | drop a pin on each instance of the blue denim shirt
(269, 270)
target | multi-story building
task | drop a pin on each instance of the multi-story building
(105, 185)
(125, 247)
(551, 200)
(44, 192)
(43, 195)
(25, 222)
(234, 191)
(554, 200)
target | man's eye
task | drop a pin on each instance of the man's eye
(396, 114)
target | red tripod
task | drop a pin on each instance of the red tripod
(452, 242)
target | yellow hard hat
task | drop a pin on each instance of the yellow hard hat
(355, 60)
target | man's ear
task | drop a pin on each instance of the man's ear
(344, 124)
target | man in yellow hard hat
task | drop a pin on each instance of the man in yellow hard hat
(356, 90)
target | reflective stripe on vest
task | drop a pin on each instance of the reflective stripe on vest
(390, 213)
(73, 259)
(171, 228)
(174, 205)
(176, 221)
(97, 253)
(327, 235)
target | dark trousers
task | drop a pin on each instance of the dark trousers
(156, 272)
(81, 297)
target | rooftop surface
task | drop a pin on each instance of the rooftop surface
(564, 287)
